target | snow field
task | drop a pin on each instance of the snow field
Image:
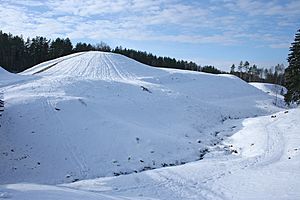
(93, 115)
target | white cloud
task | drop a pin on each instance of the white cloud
(230, 22)
(31, 3)
(262, 7)
(280, 45)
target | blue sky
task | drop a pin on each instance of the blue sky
(216, 32)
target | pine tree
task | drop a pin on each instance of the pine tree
(60, 47)
(240, 68)
(292, 72)
(246, 67)
(232, 69)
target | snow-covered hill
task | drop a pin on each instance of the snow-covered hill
(98, 114)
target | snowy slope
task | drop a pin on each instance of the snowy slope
(266, 166)
(5, 74)
(98, 114)
(48, 64)
(274, 90)
(9, 78)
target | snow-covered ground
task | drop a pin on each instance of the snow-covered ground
(266, 166)
(271, 89)
(7, 78)
(93, 116)
(274, 90)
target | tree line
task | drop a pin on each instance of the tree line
(17, 54)
(164, 62)
(288, 77)
(253, 73)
